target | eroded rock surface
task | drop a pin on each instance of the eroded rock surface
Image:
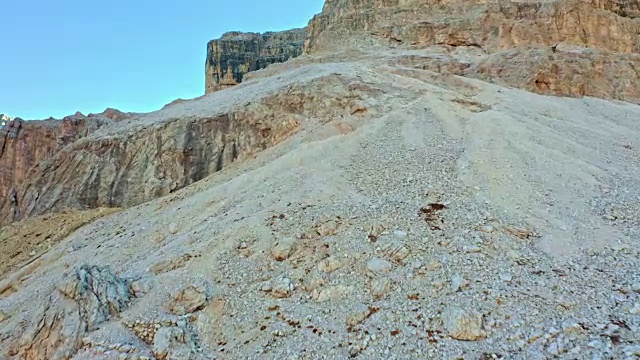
(88, 298)
(235, 54)
(561, 47)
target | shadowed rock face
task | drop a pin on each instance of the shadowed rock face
(235, 54)
(24, 144)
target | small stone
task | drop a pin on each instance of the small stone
(380, 286)
(463, 324)
(486, 229)
(191, 298)
(328, 228)
(472, 249)
(395, 252)
(434, 265)
(506, 277)
(553, 349)
(377, 266)
(400, 233)
(243, 245)
(282, 249)
(635, 310)
(141, 287)
(330, 264)
(123, 357)
(283, 288)
(173, 228)
(355, 319)
(330, 293)
(458, 283)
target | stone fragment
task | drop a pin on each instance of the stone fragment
(88, 296)
(330, 293)
(282, 249)
(380, 286)
(328, 228)
(359, 317)
(395, 252)
(173, 343)
(188, 300)
(283, 288)
(330, 264)
(463, 324)
(171, 264)
(141, 287)
(377, 266)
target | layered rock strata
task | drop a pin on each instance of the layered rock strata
(561, 47)
(235, 54)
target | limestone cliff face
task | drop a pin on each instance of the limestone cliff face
(25, 144)
(67, 165)
(235, 54)
(559, 47)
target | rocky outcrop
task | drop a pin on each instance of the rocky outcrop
(24, 144)
(123, 168)
(90, 296)
(235, 54)
(561, 47)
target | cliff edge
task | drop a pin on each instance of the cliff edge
(235, 54)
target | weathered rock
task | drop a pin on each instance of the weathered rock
(89, 297)
(173, 342)
(463, 324)
(171, 264)
(329, 293)
(396, 252)
(235, 54)
(561, 47)
(141, 287)
(331, 264)
(23, 145)
(188, 300)
(283, 287)
(282, 249)
(380, 286)
(377, 266)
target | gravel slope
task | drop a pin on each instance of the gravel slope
(445, 218)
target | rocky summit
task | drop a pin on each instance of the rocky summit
(235, 54)
(426, 179)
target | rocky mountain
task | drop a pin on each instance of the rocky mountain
(28, 146)
(430, 179)
(236, 54)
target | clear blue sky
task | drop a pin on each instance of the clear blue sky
(59, 57)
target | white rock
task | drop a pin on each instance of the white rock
(377, 266)
(283, 288)
(380, 286)
(462, 324)
(635, 310)
(458, 283)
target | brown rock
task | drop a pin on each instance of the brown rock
(190, 299)
(282, 249)
(463, 324)
(235, 54)
(569, 48)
